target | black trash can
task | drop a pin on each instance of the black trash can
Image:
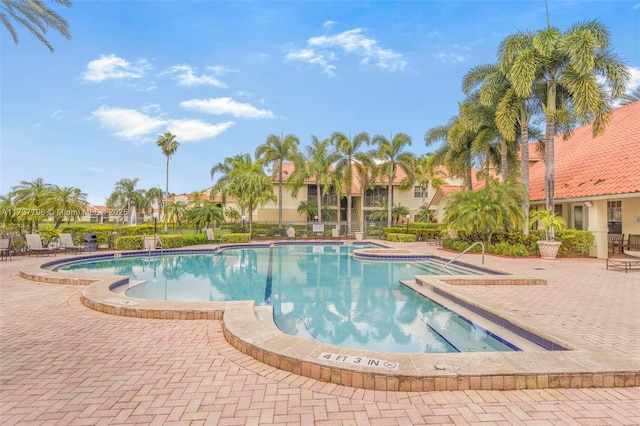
(90, 241)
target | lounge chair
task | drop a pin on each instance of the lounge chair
(5, 248)
(67, 243)
(291, 232)
(34, 245)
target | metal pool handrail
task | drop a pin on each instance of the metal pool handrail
(466, 250)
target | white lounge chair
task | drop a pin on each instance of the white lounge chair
(34, 245)
(291, 232)
(5, 248)
(67, 243)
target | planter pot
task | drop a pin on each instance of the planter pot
(549, 249)
(359, 235)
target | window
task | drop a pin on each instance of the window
(419, 192)
(614, 217)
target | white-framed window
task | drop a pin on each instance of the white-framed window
(418, 192)
(614, 216)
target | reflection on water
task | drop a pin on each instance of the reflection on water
(317, 292)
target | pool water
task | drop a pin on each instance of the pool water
(318, 292)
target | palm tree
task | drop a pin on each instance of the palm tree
(275, 151)
(205, 214)
(169, 145)
(427, 173)
(573, 66)
(156, 196)
(250, 185)
(392, 154)
(224, 169)
(36, 16)
(126, 194)
(30, 197)
(316, 163)
(485, 212)
(232, 214)
(66, 202)
(350, 157)
(174, 213)
(308, 208)
(456, 151)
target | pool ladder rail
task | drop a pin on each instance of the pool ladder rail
(152, 243)
(466, 250)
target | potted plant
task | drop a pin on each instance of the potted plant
(549, 247)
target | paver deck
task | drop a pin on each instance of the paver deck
(62, 363)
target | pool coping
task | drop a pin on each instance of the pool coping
(251, 330)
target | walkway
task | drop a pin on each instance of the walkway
(61, 363)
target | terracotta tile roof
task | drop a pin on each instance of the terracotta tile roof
(587, 166)
(448, 190)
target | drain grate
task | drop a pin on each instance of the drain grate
(540, 269)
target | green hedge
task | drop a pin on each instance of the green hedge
(422, 231)
(129, 243)
(171, 241)
(574, 243)
(401, 238)
(235, 238)
(193, 239)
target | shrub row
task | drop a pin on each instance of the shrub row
(235, 238)
(574, 243)
(421, 231)
(401, 238)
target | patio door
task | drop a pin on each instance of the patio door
(579, 218)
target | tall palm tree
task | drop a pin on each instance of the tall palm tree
(574, 64)
(248, 182)
(456, 151)
(224, 170)
(351, 157)
(169, 145)
(66, 202)
(316, 163)
(36, 16)
(393, 156)
(126, 194)
(275, 151)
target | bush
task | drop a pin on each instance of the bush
(401, 238)
(422, 231)
(575, 242)
(235, 238)
(129, 243)
(170, 241)
(506, 249)
(193, 239)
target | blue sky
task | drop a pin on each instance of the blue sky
(223, 76)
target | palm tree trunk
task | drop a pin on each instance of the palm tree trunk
(166, 230)
(504, 160)
(524, 164)
(280, 195)
(549, 160)
(319, 200)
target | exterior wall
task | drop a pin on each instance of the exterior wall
(631, 216)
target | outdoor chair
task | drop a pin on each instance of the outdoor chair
(615, 243)
(633, 244)
(291, 232)
(34, 245)
(67, 243)
(5, 248)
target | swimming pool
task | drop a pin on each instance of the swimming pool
(318, 292)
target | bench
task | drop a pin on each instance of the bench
(616, 241)
(625, 263)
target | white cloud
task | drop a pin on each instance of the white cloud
(319, 51)
(220, 69)
(323, 60)
(194, 130)
(220, 106)
(112, 67)
(454, 58)
(185, 76)
(634, 83)
(328, 24)
(127, 123)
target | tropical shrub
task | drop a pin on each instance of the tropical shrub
(171, 241)
(193, 239)
(129, 243)
(235, 238)
(401, 238)
(507, 249)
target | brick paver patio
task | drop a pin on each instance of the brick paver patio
(62, 363)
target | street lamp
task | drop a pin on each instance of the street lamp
(243, 219)
(155, 223)
(315, 218)
(408, 217)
